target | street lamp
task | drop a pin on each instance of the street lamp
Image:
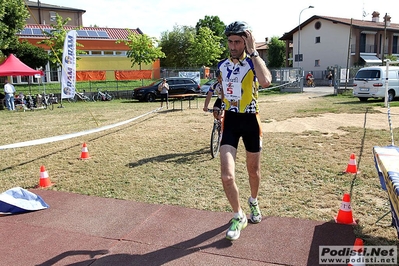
(299, 33)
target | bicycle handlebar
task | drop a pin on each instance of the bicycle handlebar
(214, 110)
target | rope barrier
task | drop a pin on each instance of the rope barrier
(72, 135)
(281, 85)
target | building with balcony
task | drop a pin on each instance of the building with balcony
(330, 41)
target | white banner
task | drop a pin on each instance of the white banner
(68, 74)
(194, 75)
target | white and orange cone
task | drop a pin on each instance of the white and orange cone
(44, 178)
(357, 259)
(345, 213)
(85, 152)
(352, 167)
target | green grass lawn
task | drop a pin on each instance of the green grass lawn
(164, 158)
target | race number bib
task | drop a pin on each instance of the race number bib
(232, 91)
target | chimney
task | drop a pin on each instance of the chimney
(376, 16)
(387, 20)
(266, 39)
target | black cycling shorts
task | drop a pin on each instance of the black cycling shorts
(218, 103)
(247, 126)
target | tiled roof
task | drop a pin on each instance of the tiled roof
(364, 24)
(113, 33)
(261, 46)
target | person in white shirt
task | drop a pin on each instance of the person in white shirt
(9, 91)
(163, 89)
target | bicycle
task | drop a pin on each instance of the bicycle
(80, 95)
(102, 96)
(216, 135)
(37, 102)
(310, 83)
(48, 101)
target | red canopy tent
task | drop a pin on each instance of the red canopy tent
(12, 66)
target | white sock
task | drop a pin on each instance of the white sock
(239, 214)
(253, 200)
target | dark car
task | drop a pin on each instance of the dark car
(177, 85)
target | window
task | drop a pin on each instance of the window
(317, 63)
(317, 39)
(317, 25)
(53, 16)
(120, 52)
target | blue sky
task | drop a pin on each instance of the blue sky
(266, 18)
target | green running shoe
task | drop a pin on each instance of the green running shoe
(256, 215)
(237, 224)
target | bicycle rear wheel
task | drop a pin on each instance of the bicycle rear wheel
(215, 139)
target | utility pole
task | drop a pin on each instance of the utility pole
(384, 40)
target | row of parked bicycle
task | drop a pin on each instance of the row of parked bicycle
(47, 101)
(38, 101)
(99, 96)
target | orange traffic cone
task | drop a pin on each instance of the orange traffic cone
(85, 153)
(345, 212)
(44, 179)
(357, 259)
(352, 168)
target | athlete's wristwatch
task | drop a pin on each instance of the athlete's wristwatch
(254, 54)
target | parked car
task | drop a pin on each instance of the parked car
(177, 85)
(205, 87)
(370, 83)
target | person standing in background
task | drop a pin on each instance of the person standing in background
(216, 87)
(163, 89)
(9, 91)
(330, 78)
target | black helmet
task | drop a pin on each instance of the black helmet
(236, 28)
(218, 73)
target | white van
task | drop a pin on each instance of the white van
(370, 83)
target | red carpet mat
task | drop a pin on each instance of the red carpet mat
(86, 230)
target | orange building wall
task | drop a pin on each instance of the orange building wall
(105, 63)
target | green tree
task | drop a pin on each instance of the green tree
(176, 45)
(13, 15)
(213, 23)
(391, 57)
(205, 49)
(143, 49)
(276, 54)
(55, 41)
(34, 57)
(217, 27)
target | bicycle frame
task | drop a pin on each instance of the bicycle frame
(102, 96)
(47, 103)
(310, 82)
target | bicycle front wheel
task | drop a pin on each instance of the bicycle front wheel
(215, 140)
(73, 100)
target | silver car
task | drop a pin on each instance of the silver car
(205, 87)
